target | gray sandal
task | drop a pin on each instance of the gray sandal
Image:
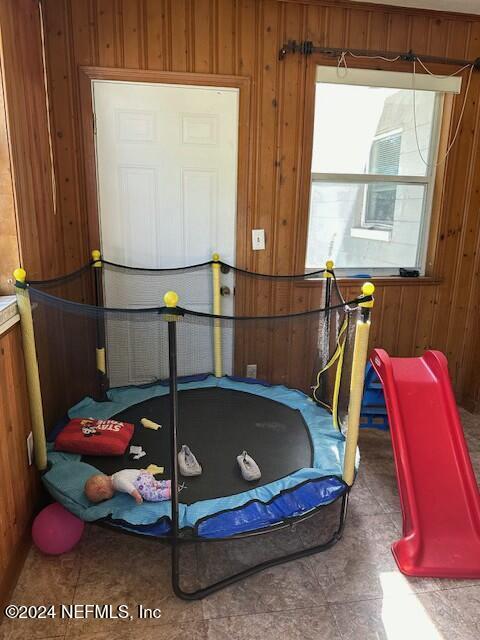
(248, 467)
(187, 462)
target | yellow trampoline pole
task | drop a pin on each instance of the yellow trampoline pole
(360, 352)
(100, 347)
(217, 310)
(31, 368)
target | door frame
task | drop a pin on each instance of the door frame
(86, 77)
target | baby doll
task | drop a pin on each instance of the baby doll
(140, 484)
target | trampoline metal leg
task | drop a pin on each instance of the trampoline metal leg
(226, 582)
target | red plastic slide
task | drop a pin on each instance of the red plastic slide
(438, 491)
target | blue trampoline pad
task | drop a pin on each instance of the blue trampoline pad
(299, 451)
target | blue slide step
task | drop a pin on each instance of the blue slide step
(374, 411)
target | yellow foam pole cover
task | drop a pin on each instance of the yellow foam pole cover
(171, 299)
(368, 289)
(96, 255)
(360, 354)
(100, 357)
(31, 370)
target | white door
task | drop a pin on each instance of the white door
(167, 176)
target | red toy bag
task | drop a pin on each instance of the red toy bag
(95, 437)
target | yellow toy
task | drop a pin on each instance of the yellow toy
(149, 424)
(155, 469)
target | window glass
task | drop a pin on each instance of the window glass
(385, 154)
(373, 169)
(336, 229)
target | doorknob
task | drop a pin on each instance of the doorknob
(225, 291)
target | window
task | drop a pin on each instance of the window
(381, 198)
(373, 170)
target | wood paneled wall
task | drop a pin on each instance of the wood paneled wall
(40, 230)
(26, 235)
(19, 484)
(10, 258)
(242, 37)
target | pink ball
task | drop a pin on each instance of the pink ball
(55, 530)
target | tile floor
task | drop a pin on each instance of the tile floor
(351, 592)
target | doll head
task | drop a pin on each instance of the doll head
(99, 487)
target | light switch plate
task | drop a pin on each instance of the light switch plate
(258, 239)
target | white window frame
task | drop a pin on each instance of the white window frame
(428, 181)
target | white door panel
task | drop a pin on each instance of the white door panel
(167, 175)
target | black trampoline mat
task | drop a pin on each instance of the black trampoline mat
(217, 424)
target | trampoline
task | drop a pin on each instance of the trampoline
(304, 443)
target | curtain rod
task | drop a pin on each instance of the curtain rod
(306, 47)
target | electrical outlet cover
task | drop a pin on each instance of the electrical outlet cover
(251, 370)
(30, 448)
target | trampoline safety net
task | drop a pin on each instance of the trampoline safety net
(227, 360)
(281, 330)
